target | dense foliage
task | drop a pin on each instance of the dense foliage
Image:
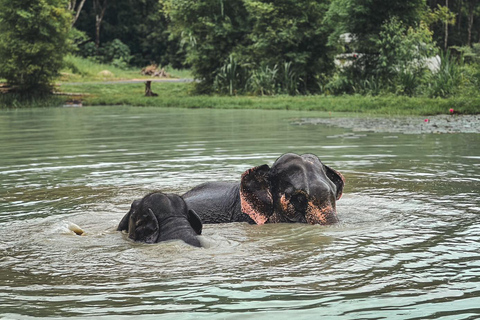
(287, 46)
(33, 42)
(140, 25)
(364, 19)
(254, 45)
(260, 47)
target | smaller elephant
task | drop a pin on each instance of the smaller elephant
(161, 217)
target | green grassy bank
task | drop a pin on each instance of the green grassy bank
(87, 81)
(177, 95)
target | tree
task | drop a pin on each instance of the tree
(141, 25)
(210, 30)
(75, 9)
(258, 46)
(290, 34)
(403, 53)
(33, 42)
(472, 5)
(447, 17)
(363, 19)
(100, 8)
(463, 14)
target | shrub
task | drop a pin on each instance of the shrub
(446, 81)
(115, 53)
(33, 42)
(402, 55)
(230, 78)
(263, 80)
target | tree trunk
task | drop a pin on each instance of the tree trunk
(77, 12)
(148, 89)
(471, 9)
(446, 28)
(98, 23)
(459, 15)
(99, 14)
(71, 5)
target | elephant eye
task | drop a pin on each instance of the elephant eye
(299, 200)
(288, 189)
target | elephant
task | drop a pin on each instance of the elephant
(296, 188)
(161, 217)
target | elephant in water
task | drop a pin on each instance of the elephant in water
(161, 217)
(295, 189)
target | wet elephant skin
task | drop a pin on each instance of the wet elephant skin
(161, 217)
(296, 188)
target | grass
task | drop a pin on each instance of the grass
(14, 100)
(82, 76)
(177, 95)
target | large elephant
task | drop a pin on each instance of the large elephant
(295, 189)
(161, 217)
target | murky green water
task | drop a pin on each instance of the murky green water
(407, 247)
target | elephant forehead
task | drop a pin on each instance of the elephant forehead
(304, 158)
(157, 203)
(165, 204)
(294, 164)
(302, 176)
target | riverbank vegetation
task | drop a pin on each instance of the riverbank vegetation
(396, 57)
(179, 95)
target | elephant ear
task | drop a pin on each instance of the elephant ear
(143, 226)
(255, 195)
(195, 221)
(337, 178)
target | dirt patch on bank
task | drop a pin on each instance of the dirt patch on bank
(408, 125)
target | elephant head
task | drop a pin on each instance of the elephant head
(161, 217)
(295, 189)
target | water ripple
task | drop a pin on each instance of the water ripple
(407, 245)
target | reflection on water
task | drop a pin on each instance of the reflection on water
(407, 246)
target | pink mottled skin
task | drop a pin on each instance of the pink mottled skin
(296, 188)
(248, 209)
(317, 215)
(314, 214)
(284, 203)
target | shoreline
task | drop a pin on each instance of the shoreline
(439, 124)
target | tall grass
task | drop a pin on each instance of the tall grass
(229, 78)
(290, 79)
(234, 77)
(263, 81)
(446, 81)
(14, 100)
(407, 82)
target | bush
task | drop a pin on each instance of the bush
(229, 78)
(33, 42)
(115, 53)
(263, 81)
(447, 80)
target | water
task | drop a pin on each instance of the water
(407, 246)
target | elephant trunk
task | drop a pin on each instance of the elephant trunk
(324, 215)
(304, 209)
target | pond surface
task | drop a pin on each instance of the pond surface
(407, 246)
